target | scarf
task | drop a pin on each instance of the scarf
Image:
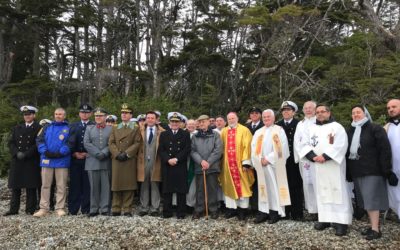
(355, 143)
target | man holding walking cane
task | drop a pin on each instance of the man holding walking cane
(206, 154)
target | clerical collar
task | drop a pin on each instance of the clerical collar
(330, 120)
(395, 121)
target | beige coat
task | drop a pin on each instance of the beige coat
(156, 174)
(124, 173)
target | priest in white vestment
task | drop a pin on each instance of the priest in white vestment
(269, 151)
(326, 147)
(307, 168)
(393, 131)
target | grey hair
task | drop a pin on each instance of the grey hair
(61, 109)
(269, 111)
(311, 101)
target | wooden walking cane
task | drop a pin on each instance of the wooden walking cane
(205, 193)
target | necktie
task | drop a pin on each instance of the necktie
(286, 123)
(151, 135)
(254, 126)
(28, 126)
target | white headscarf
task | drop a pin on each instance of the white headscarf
(355, 142)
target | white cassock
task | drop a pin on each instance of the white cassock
(307, 168)
(333, 198)
(393, 132)
(271, 189)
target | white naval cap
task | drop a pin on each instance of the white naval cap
(289, 104)
(28, 109)
(113, 117)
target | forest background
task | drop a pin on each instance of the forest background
(196, 56)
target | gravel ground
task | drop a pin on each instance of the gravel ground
(103, 232)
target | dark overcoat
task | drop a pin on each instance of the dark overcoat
(128, 140)
(178, 146)
(24, 173)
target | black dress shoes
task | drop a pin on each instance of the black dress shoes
(167, 215)
(127, 214)
(93, 214)
(180, 217)
(230, 213)
(142, 213)
(8, 213)
(196, 216)
(341, 229)
(214, 215)
(116, 213)
(261, 217)
(372, 235)
(154, 213)
(241, 214)
(321, 225)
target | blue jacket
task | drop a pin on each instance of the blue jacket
(54, 138)
(76, 134)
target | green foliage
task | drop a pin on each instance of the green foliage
(5, 156)
(257, 15)
(290, 10)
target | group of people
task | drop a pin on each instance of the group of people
(275, 169)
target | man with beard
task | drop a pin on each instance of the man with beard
(326, 147)
(393, 132)
(236, 175)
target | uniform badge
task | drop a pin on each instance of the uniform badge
(65, 131)
(61, 137)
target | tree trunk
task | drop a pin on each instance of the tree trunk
(36, 52)
(99, 41)
(86, 62)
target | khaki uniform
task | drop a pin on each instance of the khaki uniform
(124, 139)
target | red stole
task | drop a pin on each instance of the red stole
(232, 161)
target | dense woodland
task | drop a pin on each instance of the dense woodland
(197, 56)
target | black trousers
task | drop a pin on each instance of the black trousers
(31, 200)
(254, 197)
(181, 204)
(79, 188)
(295, 210)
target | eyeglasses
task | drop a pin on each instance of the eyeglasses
(321, 112)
